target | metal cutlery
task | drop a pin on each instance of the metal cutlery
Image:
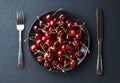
(20, 28)
(99, 15)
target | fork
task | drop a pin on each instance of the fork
(20, 28)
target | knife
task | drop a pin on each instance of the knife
(99, 16)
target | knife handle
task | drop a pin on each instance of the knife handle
(99, 69)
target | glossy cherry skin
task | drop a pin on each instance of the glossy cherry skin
(72, 32)
(38, 42)
(78, 53)
(39, 58)
(49, 57)
(33, 47)
(52, 49)
(60, 53)
(41, 23)
(44, 38)
(37, 36)
(45, 46)
(73, 63)
(60, 59)
(52, 23)
(62, 16)
(63, 47)
(46, 64)
(48, 17)
(35, 28)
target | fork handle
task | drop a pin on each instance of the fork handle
(99, 69)
(20, 53)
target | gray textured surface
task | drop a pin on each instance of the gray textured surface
(85, 73)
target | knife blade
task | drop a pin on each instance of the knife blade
(99, 16)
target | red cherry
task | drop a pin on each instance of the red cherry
(78, 53)
(69, 49)
(70, 24)
(49, 57)
(48, 41)
(45, 46)
(62, 16)
(60, 59)
(63, 47)
(47, 34)
(52, 49)
(55, 62)
(44, 38)
(39, 58)
(36, 28)
(38, 42)
(72, 32)
(46, 64)
(33, 47)
(37, 35)
(45, 55)
(72, 57)
(41, 23)
(66, 62)
(49, 17)
(75, 43)
(60, 53)
(73, 63)
(52, 23)
(61, 33)
(78, 36)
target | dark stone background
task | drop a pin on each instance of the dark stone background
(33, 72)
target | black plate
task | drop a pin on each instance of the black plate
(73, 18)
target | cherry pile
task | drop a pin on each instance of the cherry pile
(56, 42)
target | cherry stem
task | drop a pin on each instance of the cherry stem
(43, 48)
(56, 11)
(66, 56)
(88, 51)
(38, 51)
(29, 38)
(61, 68)
(51, 68)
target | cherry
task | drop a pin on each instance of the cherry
(72, 57)
(76, 23)
(37, 36)
(44, 38)
(39, 58)
(66, 62)
(69, 24)
(78, 53)
(56, 44)
(48, 41)
(63, 47)
(61, 33)
(78, 36)
(45, 55)
(62, 17)
(49, 17)
(46, 64)
(72, 32)
(45, 46)
(38, 42)
(41, 23)
(52, 23)
(73, 63)
(52, 49)
(55, 62)
(35, 28)
(60, 53)
(75, 43)
(49, 57)
(69, 49)
(33, 47)
(60, 59)
(47, 34)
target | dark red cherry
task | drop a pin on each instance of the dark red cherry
(72, 32)
(36, 28)
(63, 47)
(41, 23)
(75, 43)
(70, 49)
(44, 38)
(47, 34)
(52, 23)
(49, 42)
(60, 53)
(69, 24)
(37, 36)
(33, 47)
(49, 57)
(78, 36)
(60, 59)
(62, 16)
(49, 17)
(39, 58)
(78, 53)
(52, 49)
(66, 62)
(61, 33)
(55, 62)
(38, 42)
(46, 64)
(45, 46)
(45, 55)
(73, 63)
